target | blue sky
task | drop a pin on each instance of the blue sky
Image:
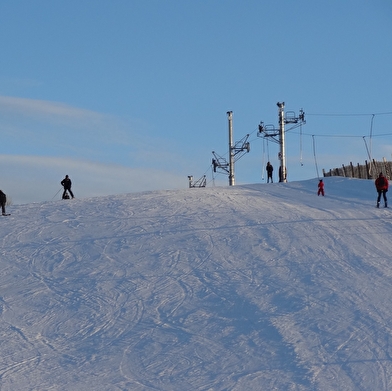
(128, 96)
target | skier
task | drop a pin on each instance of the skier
(269, 169)
(320, 188)
(382, 187)
(3, 200)
(66, 183)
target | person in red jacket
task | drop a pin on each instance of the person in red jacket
(320, 188)
(382, 187)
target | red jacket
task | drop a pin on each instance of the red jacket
(381, 183)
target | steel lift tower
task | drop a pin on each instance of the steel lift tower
(271, 131)
(236, 151)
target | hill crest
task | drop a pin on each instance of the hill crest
(247, 287)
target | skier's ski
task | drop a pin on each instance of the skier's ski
(6, 214)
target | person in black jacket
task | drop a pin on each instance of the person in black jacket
(269, 169)
(3, 200)
(66, 183)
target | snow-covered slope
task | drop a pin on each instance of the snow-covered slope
(257, 287)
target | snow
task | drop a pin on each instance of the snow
(251, 287)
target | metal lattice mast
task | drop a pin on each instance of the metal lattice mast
(231, 149)
(282, 153)
(278, 135)
(236, 151)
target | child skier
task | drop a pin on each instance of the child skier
(320, 188)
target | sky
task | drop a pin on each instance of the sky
(128, 96)
(250, 287)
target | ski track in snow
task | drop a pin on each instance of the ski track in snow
(253, 287)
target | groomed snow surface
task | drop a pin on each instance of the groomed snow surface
(253, 287)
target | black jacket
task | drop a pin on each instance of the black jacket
(3, 198)
(66, 182)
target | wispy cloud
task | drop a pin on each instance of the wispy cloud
(42, 141)
(46, 110)
(35, 178)
(35, 127)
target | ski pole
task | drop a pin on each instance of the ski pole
(57, 193)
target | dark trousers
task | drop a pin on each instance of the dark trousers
(70, 192)
(384, 194)
(270, 177)
(3, 207)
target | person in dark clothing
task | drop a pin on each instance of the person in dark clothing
(382, 187)
(3, 200)
(269, 169)
(66, 183)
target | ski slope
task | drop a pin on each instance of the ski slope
(253, 287)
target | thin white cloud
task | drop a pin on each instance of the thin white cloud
(37, 125)
(41, 109)
(35, 178)
(42, 141)
(50, 119)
